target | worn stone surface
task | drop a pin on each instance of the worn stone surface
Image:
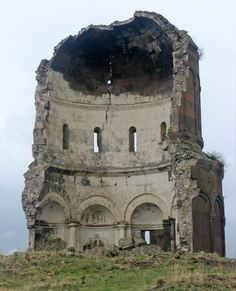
(141, 74)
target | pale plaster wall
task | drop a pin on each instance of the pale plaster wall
(52, 212)
(116, 198)
(120, 193)
(159, 173)
(106, 234)
(114, 122)
(147, 214)
(61, 90)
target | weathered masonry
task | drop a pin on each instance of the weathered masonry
(118, 144)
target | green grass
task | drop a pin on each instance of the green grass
(164, 271)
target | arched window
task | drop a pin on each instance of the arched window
(97, 140)
(163, 131)
(132, 139)
(66, 137)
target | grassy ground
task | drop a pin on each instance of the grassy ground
(164, 271)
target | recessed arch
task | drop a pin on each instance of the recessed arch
(97, 215)
(55, 197)
(219, 238)
(51, 212)
(147, 223)
(97, 200)
(145, 198)
(52, 215)
(139, 215)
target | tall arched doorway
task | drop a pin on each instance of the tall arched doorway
(219, 229)
(201, 224)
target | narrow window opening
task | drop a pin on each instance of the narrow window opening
(132, 139)
(66, 137)
(147, 236)
(135, 141)
(163, 131)
(97, 140)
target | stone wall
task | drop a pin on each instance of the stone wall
(130, 82)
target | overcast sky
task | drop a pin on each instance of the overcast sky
(29, 30)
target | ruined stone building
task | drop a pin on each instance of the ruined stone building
(118, 143)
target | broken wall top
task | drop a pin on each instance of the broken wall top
(136, 56)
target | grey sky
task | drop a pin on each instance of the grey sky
(29, 31)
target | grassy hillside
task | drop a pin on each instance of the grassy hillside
(96, 271)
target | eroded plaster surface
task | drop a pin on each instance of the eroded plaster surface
(132, 88)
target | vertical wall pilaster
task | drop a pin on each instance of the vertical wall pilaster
(122, 228)
(72, 235)
(167, 235)
(31, 238)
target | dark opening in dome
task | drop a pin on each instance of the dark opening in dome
(132, 57)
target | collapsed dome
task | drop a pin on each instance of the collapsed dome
(133, 56)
